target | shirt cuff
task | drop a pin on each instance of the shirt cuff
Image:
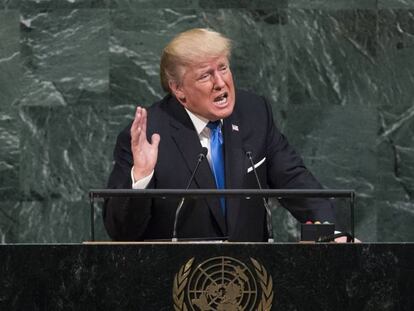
(140, 183)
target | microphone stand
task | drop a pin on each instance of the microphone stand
(200, 159)
(266, 205)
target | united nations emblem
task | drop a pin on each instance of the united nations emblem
(222, 284)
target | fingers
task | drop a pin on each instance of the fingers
(137, 119)
(343, 239)
(155, 140)
(143, 125)
(137, 126)
(139, 130)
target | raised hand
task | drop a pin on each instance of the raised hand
(144, 153)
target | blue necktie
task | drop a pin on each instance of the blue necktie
(217, 157)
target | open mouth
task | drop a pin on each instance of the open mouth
(221, 99)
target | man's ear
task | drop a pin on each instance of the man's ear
(177, 91)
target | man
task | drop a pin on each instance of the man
(203, 109)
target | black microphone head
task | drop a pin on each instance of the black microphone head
(202, 154)
(247, 150)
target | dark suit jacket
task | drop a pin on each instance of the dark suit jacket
(250, 127)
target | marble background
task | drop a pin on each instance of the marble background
(340, 75)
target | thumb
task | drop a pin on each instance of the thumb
(155, 140)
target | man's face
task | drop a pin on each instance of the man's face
(207, 89)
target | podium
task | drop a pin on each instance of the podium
(192, 276)
(207, 275)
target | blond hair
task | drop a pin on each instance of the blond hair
(190, 47)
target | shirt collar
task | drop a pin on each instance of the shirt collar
(198, 121)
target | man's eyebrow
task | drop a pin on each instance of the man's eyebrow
(202, 68)
(199, 71)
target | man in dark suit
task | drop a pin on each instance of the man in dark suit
(160, 149)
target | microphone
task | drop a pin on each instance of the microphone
(200, 159)
(268, 212)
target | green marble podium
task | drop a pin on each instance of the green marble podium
(224, 276)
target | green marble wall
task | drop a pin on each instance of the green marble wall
(340, 75)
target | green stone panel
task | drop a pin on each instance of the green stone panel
(331, 117)
(396, 116)
(30, 5)
(10, 84)
(333, 4)
(285, 227)
(195, 4)
(66, 143)
(65, 150)
(396, 4)
(7, 4)
(257, 4)
(65, 53)
(153, 4)
(47, 221)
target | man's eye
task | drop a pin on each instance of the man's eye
(224, 68)
(204, 76)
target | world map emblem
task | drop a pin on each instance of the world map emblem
(223, 284)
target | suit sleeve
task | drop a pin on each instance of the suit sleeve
(286, 170)
(125, 219)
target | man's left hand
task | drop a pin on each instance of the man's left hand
(342, 239)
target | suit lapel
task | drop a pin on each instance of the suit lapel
(188, 143)
(234, 166)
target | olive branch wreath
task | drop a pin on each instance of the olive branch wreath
(266, 284)
(180, 281)
(181, 278)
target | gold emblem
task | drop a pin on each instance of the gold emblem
(222, 284)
